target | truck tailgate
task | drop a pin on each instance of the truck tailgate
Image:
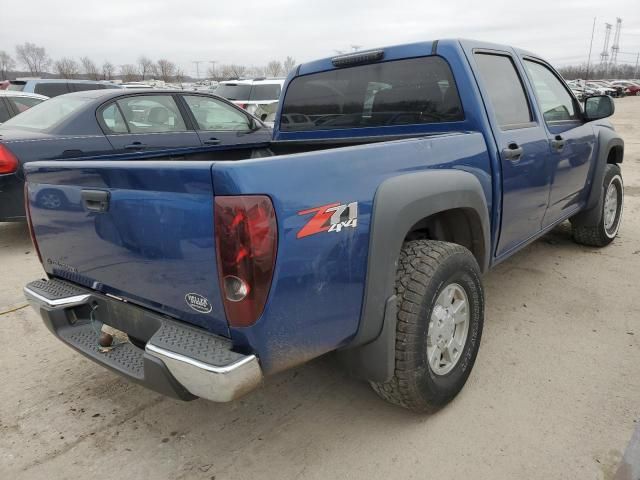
(152, 243)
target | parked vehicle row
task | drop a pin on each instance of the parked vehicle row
(614, 88)
(51, 87)
(400, 175)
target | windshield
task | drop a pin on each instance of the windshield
(234, 91)
(19, 86)
(48, 114)
(265, 92)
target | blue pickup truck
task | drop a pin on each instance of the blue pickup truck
(394, 179)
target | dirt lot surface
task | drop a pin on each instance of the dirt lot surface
(555, 392)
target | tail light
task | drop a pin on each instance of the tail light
(8, 161)
(242, 105)
(29, 223)
(246, 245)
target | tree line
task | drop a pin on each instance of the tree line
(600, 72)
(35, 60)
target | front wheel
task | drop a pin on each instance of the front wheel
(602, 233)
(439, 324)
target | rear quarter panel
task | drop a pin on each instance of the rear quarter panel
(316, 296)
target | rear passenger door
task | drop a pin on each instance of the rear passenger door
(572, 142)
(147, 124)
(222, 126)
(522, 146)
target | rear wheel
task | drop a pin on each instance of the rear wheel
(439, 324)
(603, 232)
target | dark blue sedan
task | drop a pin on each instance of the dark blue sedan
(149, 124)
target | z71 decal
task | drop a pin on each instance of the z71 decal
(329, 218)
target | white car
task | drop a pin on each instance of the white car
(13, 102)
(258, 96)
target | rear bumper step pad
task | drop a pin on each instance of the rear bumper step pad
(178, 360)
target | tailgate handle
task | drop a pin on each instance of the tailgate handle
(95, 200)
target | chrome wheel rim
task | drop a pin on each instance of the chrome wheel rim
(51, 200)
(612, 199)
(448, 329)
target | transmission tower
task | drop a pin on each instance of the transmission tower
(604, 56)
(616, 42)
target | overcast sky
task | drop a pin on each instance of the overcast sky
(254, 32)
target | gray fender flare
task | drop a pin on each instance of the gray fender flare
(400, 203)
(607, 140)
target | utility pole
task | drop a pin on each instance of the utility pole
(197, 62)
(593, 31)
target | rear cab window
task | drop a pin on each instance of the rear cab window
(400, 92)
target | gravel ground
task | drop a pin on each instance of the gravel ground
(554, 394)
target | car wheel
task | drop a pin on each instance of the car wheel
(603, 233)
(439, 325)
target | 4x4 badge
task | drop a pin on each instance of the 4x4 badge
(329, 218)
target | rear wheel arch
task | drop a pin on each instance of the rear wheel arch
(448, 204)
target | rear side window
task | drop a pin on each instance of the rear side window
(24, 103)
(51, 89)
(234, 91)
(4, 111)
(401, 92)
(152, 114)
(213, 115)
(505, 90)
(113, 120)
(265, 92)
(81, 87)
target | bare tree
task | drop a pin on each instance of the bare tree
(108, 69)
(66, 68)
(89, 68)
(7, 63)
(166, 69)
(213, 73)
(274, 68)
(146, 66)
(128, 72)
(33, 57)
(289, 63)
(233, 71)
(179, 75)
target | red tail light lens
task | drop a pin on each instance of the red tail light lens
(29, 224)
(8, 161)
(246, 245)
(242, 105)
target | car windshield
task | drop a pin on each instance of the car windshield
(48, 114)
(19, 86)
(234, 91)
(265, 92)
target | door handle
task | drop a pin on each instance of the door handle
(212, 141)
(135, 146)
(95, 200)
(513, 152)
(558, 143)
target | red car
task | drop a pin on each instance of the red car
(629, 88)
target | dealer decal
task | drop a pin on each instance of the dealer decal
(197, 302)
(329, 218)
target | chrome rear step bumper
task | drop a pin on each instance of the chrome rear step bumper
(178, 360)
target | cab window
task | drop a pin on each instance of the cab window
(151, 114)
(555, 101)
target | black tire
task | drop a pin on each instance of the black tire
(425, 269)
(598, 235)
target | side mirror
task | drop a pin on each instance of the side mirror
(597, 107)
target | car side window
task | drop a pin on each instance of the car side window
(51, 89)
(212, 114)
(113, 120)
(556, 102)
(152, 114)
(4, 112)
(505, 90)
(24, 103)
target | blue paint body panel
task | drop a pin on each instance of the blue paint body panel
(156, 242)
